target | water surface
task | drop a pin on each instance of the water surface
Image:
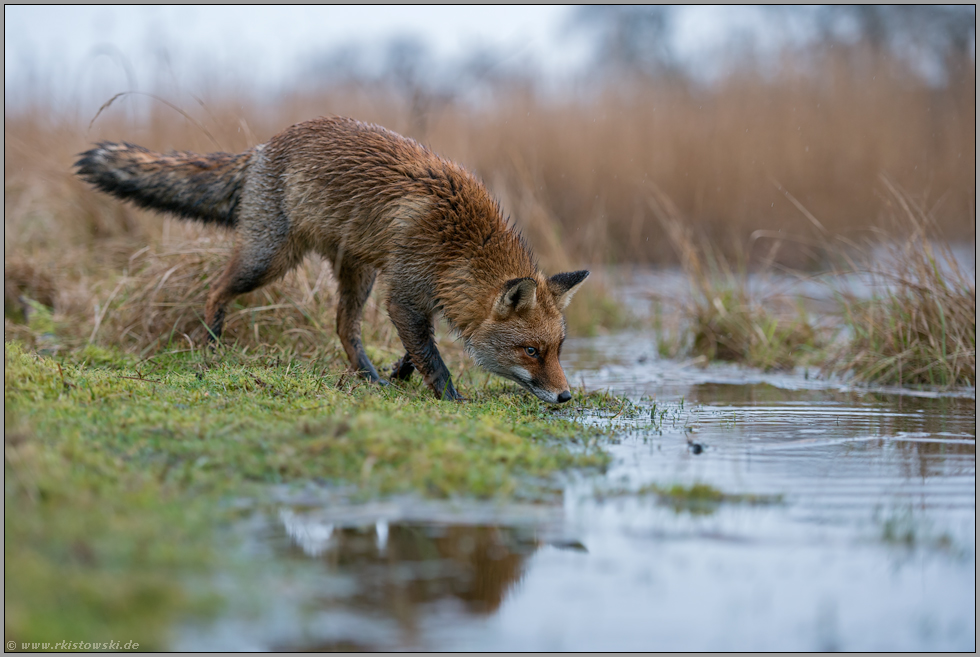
(862, 535)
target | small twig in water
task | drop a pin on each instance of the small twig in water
(620, 410)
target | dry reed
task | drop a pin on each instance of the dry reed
(574, 172)
(919, 326)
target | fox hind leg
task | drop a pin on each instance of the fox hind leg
(236, 279)
(354, 284)
(249, 269)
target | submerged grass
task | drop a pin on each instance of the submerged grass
(701, 498)
(117, 471)
(697, 499)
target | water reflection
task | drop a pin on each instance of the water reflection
(401, 568)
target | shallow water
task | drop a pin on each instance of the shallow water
(865, 537)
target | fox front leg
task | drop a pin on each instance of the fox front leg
(415, 330)
(403, 368)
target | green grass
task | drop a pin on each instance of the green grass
(917, 329)
(727, 324)
(911, 337)
(700, 498)
(118, 472)
(696, 499)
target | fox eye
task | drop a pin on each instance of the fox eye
(531, 351)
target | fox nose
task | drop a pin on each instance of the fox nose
(564, 397)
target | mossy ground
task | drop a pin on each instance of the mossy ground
(117, 472)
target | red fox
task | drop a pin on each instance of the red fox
(371, 202)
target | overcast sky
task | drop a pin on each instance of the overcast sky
(73, 51)
(70, 53)
(61, 46)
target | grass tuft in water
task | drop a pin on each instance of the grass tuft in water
(700, 498)
(906, 529)
(920, 326)
(725, 319)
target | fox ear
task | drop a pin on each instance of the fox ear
(563, 286)
(519, 294)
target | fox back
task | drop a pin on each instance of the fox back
(371, 202)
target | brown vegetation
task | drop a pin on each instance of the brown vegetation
(903, 313)
(723, 319)
(919, 327)
(574, 171)
(747, 158)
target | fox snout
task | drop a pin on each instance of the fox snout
(552, 398)
(555, 391)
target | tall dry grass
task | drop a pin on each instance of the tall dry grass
(728, 156)
(575, 172)
(919, 325)
(904, 309)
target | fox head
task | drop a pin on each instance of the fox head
(521, 339)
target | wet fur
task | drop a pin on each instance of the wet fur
(372, 202)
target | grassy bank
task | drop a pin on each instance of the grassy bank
(118, 472)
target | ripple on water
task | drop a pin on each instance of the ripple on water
(870, 547)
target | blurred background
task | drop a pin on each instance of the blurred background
(753, 121)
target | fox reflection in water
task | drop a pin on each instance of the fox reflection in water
(403, 566)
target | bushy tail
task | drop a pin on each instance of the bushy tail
(202, 187)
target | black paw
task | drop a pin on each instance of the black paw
(402, 369)
(450, 394)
